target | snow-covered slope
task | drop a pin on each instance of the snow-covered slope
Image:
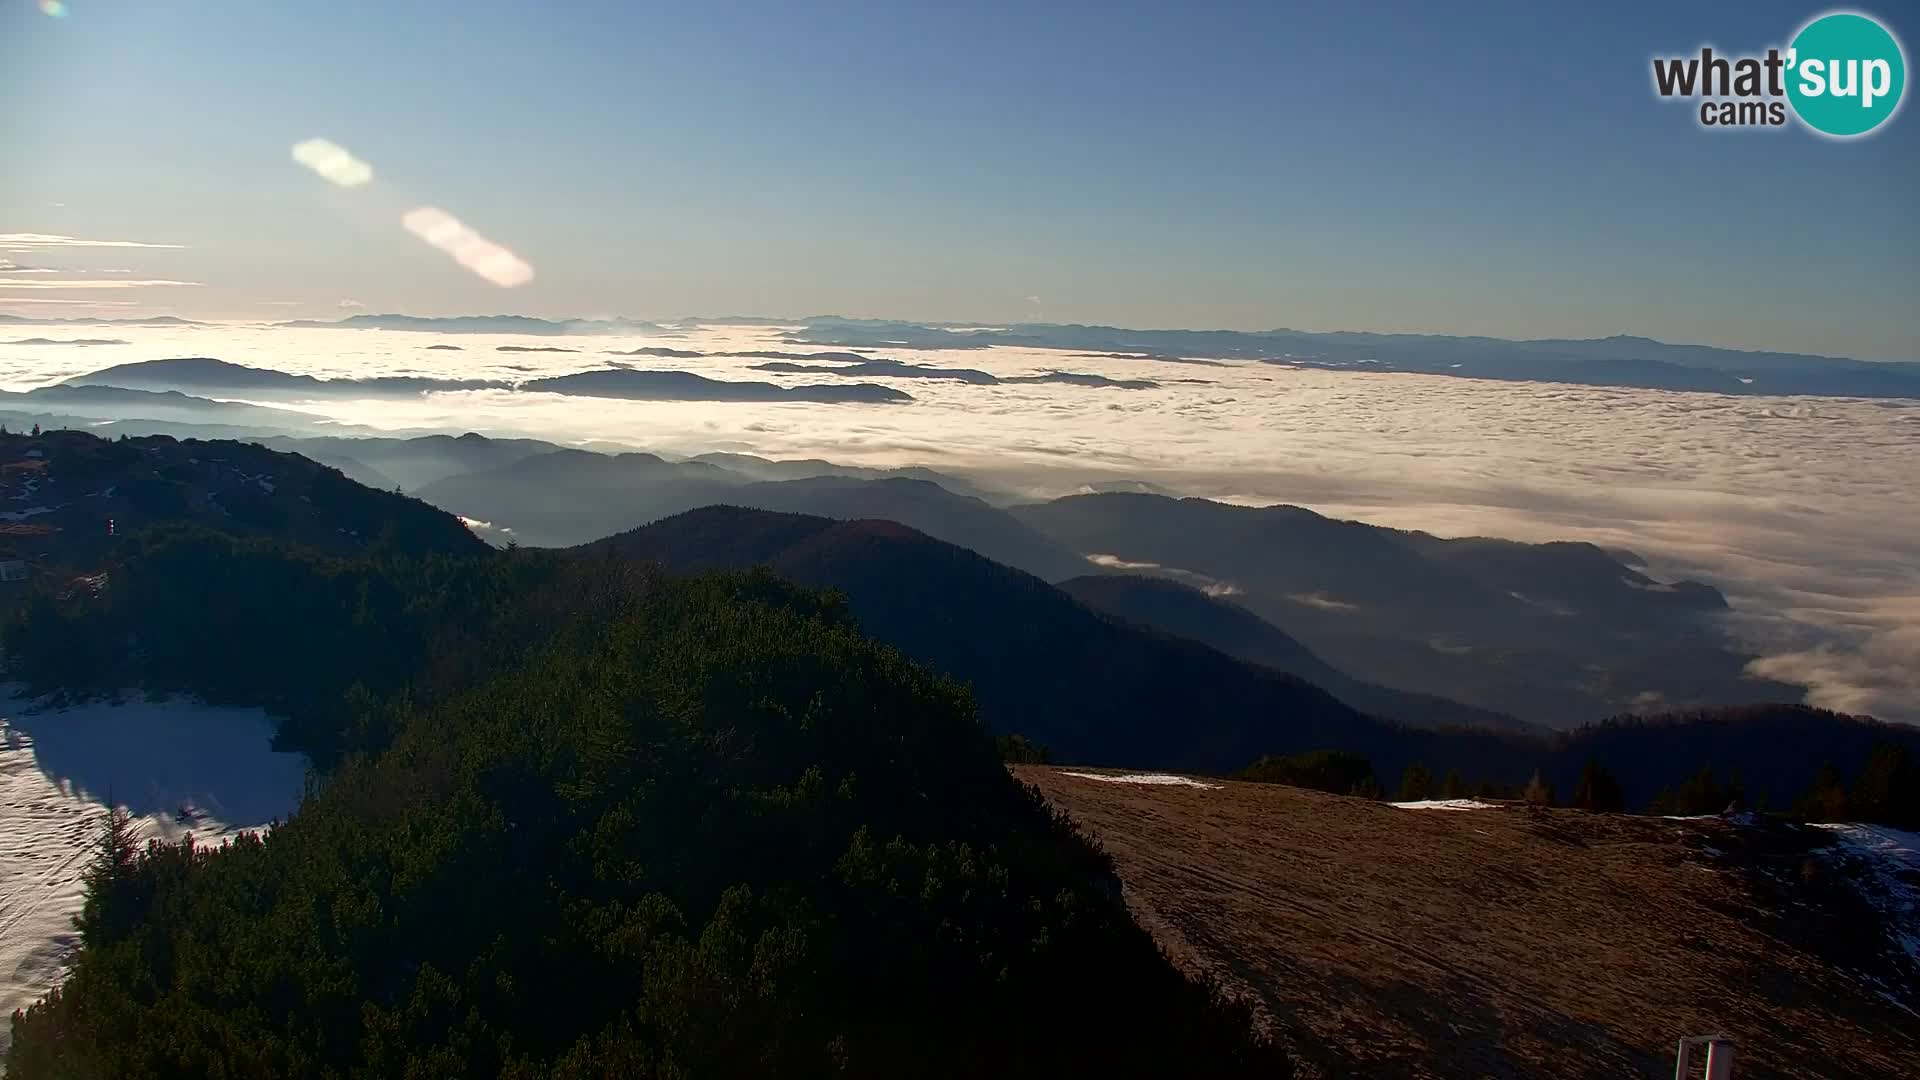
(1885, 866)
(57, 768)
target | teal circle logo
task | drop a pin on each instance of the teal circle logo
(1845, 74)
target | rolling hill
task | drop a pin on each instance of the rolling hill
(1185, 611)
(1555, 634)
(1041, 664)
(65, 496)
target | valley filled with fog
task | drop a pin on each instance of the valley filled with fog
(1803, 510)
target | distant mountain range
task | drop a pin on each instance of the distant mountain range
(1552, 634)
(1490, 631)
(207, 375)
(41, 320)
(482, 324)
(121, 403)
(1621, 360)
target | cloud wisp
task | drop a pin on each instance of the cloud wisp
(119, 283)
(49, 241)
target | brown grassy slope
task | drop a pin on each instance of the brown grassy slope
(1390, 942)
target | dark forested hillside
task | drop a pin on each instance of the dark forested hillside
(1772, 751)
(572, 497)
(317, 639)
(67, 496)
(1556, 634)
(720, 835)
(1041, 664)
(1188, 612)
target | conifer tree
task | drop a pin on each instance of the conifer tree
(1887, 791)
(107, 911)
(1416, 783)
(1539, 792)
(1826, 799)
(1598, 790)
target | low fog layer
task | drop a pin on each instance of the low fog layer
(1803, 510)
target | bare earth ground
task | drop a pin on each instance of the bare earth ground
(1507, 942)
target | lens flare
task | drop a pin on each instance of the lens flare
(468, 248)
(53, 7)
(333, 162)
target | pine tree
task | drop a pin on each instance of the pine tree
(1887, 791)
(1454, 787)
(1367, 788)
(107, 911)
(1826, 799)
(1539, 792)
(1699, 794)
(1598, 790)
(1736, 793)
(1416, 783)
(1336, 772)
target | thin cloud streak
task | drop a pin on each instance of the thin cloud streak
(42, 241)
(119, 284)
(55, 300)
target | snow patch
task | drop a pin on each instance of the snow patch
(1446, 804)
(22, 515)
(1886, 862)
(1322, 601)
(1162, 779)
(177, 766)
(1115, 562)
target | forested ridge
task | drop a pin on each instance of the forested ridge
(573, 818)
(704, 829)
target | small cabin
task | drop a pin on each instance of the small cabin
(13, 570)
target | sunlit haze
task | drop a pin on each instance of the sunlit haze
(1191, 165)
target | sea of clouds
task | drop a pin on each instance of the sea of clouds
(1806, 511)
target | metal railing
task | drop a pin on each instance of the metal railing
(1718, 1064)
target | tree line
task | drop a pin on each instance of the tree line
(582, 822)
(1884, 789)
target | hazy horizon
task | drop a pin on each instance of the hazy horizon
(1799, 507)
(343, 315)
(1214, 168)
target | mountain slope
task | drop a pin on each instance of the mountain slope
(1555, 634)
(572, 497)
(1558, 945)
(1188, 612)
(1040, 663)
(416, 462)
(568, 497)
(61, 491)
(119, 403)
(716, 834)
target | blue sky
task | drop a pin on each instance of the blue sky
(1487, 168)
